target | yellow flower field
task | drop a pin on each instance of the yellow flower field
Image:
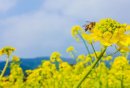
(96, 69)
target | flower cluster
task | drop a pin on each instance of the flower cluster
(109, 32)
(95, 69)
(47, 76)
(7, 50)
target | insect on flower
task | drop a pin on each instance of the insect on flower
(89, 26)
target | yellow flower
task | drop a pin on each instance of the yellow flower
(75, 31)
(81, 57)
(120, 61)
(8, 50)
(28, 72)
(46, 63)
(65, 66)
(125, 40)
(87, 37)
(108, 32)
(123, 48)
(128, 27)
(1, 52)
(55, 56)
(88, 59)
(69, 49)
(16, 58)
(106, 38)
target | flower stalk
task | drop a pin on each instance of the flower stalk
(94, 50)
(5, 67)
(90, 70)
(85, 44)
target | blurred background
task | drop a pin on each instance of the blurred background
(39, 27)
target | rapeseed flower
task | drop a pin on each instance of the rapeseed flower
(55, 56)
(76, 31)
(108, 32)
(8, 50)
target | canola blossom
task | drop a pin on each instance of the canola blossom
(109, 32)
(95, 69)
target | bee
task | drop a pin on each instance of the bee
(89, 26)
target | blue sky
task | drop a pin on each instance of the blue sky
(39, 27)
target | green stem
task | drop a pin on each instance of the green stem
(92, 67)
(122, 85)
(5, 67)
(100, 84)
(84, 44)
(94, 50)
